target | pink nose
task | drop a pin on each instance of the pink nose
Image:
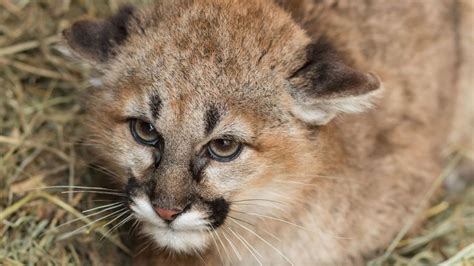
(168, 215)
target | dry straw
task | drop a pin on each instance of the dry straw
(40, 119)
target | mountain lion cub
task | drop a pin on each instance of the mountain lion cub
(247, 132)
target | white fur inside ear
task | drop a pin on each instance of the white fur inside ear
(320, 112)
(69, 54)
(64, 50)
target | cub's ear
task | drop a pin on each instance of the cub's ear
(325, 86)
(96, 40)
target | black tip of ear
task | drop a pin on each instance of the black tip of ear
(95, 40)
(89, 39)
(120, 22)
(327, 74)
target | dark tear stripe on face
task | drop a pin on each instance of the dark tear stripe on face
(197, 165)
(155, 105)
(212, 117)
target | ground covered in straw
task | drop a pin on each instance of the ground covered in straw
(40, 126)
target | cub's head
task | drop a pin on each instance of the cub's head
(212, 109)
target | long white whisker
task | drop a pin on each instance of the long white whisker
(111, 221)
(296, 183)
(251, 204)
(217, 246)
(312, 176)
(121, 223)
(95, 192)
(104, 170)
(101, 207)
(272, 206)
(135, 227)
(247, 246)
(251, 246)
(264, 240)
(87, 216)
(232, 245)
(78, 187)
(268, 200)
(145, 246)
(265, 231)
(270, 234)
(222, 242)
(88, 224)
(200, 257)
(293, 224)
(275, 219)
(243, 221)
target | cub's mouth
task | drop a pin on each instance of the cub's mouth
(183, 228)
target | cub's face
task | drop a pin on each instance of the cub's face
(207, 111)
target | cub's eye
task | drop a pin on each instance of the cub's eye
(143, 132)
(224, 150)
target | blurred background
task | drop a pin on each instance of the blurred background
(40, 136)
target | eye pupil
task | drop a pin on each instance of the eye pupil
(222, 143)
(148, 128)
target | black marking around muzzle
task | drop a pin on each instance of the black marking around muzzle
(134, 188)
(219, 211)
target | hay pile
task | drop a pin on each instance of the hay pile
(40, 125)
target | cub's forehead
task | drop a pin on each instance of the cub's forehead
(160, 101)
(208, 43)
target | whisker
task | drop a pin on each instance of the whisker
(290, 223)
(222, 243)
(111, 221)
(271, 234)
(265, 241)
(267, 200)
(215, 243)
(232, 245)
(86, 216)
(314, 176)
(101, 207)
(146, 246)
(120, 223)
(262, 229)
(135, 227)
(243, 221)
(200, 257)
(104, 170)
(251, 249)
(278, 207)
(296, 183)
(251, 204)
(275, 219)
(88, 224)
(95, 192)
(78, 187)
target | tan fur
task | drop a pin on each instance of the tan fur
(337, 193)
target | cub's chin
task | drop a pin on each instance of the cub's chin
(179, 241)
